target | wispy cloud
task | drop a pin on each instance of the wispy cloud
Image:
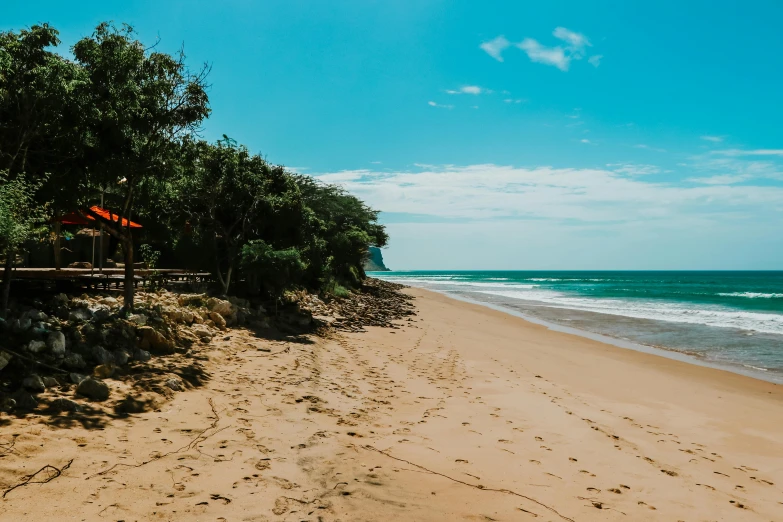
(647, 147)
(722, 179)
(755, 152)
(495, 47)
(469, 89)
(714, 139)
(440, 106)
(595, 60)
(585, 140)
(612, 194)
(557, 56)
(538, 53)
(634, 169)
(513, 100)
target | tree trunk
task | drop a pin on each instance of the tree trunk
(127, 247)
(227, 281)
(7, 275)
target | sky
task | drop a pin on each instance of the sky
(501, 135)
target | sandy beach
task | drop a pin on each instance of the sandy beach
(462, 413)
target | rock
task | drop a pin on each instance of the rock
(141, 355)
(63, 404)
(76, 378)
(94, 389)
(221, 307)
(218, 319)
(8, 404)
(79, 315)
(239, 302)
(5, 358)
(36, 315)
(21, 324)
(34, 383)
(121, 357)
(153, 340)
(111, 302)
(174, 384)
(50, 382)
(100, 312)
(138, 319)
(202, 332)
(39, 330)
(101, 355)
(103, 371)
(60, 300)
(74, 361)
(24, 401)
(56, 343)
(36, 346)
(62, 313)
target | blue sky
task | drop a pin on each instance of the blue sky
(503, 135)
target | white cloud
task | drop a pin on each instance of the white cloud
(495, 47)
(576, 41)
(595, 60)
(647, 147)
(756, 152)
(714, 139)
(634, 169)
(474, 106)
(585, 140)
(469, 89)
(487, 191)
(723, 179)
(538, 53)
(433, 104)
(513, 100)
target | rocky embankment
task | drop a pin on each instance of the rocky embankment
(377, 303)
(71, 345)
(67, 350)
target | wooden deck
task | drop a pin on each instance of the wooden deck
(109, 276)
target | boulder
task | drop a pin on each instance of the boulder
(74, 361)
(138, 319)
(141, 355)
(174, 384)
(56, 343)
(50, 382)
(153, 340)
(100, 312)
(121, 356)
(79, 315)
(202, 332)
(101, 355)
(21, 324)
(60, 300)
(36, 346)
(218, 319)
(63, 404)
(36, 315)
(34, 383)
(76, 378)
(5, 358)
(224, 308)
(24, 401)
(111, 302)
(94, 389)
(103, 371)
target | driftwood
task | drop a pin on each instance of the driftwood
(28, 479)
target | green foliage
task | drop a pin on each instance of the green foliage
(121, 120)
(275, 269)
(20, 215)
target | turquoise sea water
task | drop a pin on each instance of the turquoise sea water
(728, 319)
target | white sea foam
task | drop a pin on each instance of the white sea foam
(752, 295)
(656, 310)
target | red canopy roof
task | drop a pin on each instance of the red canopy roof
(74, 218)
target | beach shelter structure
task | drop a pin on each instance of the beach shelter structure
(75, 218)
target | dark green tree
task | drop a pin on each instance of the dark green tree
(137, 106)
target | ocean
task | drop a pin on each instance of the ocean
(730, 320)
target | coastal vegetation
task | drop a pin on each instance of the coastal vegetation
(117, 121)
